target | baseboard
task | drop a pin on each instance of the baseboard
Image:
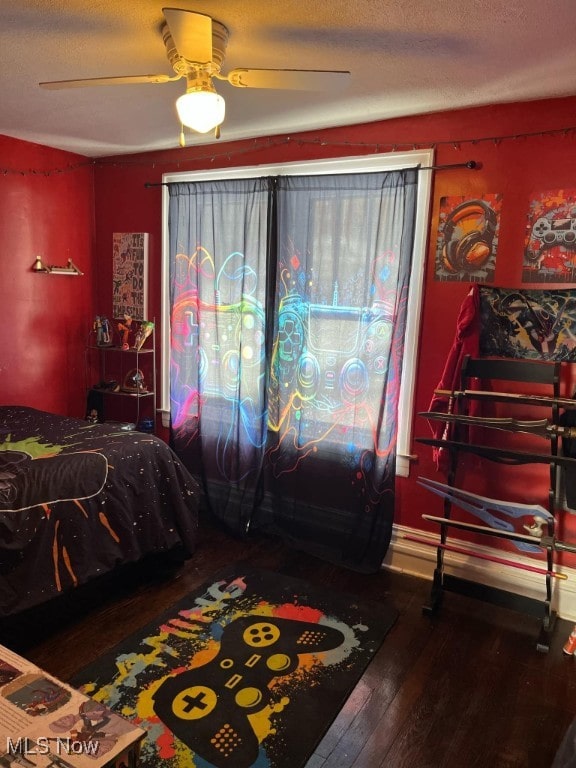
(419, 559)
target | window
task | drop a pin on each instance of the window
(349, 320)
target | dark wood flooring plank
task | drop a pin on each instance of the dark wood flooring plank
(464, 689)
(380, 682)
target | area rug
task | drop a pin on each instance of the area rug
(249, 671)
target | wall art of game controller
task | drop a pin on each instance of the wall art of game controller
(207, 707)
(551, 233)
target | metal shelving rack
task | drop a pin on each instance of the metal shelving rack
(114, 363)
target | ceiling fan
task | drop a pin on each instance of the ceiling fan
(196, 48)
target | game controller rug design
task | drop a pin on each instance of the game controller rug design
(249, 671)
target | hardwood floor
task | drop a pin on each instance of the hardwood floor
(466, 689)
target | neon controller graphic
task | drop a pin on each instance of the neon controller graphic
(232, 338)
(220, 695)
(332, 352)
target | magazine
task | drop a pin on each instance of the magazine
(45, 723)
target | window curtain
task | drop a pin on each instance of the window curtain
(218, 240)
(344, 255)
(287, 323)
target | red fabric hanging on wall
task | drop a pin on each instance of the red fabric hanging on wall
(466, 342)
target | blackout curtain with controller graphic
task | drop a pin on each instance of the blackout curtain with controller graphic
(288, 317)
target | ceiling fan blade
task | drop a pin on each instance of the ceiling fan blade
(192, 34)
(290, 79)
(123, 80)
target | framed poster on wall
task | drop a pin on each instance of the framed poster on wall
(550, 249)
(130, 275)
(467, 242)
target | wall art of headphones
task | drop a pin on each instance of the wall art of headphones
(465, 249)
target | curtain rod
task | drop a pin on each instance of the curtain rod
(470, 164)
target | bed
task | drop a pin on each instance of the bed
(77, 500)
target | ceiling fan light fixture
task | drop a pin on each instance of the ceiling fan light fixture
(201, 109)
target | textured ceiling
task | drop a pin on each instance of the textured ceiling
(406, 57)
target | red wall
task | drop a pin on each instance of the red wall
(520, 154)
(522, 150)
(46, 209)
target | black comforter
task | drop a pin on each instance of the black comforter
(77, 500)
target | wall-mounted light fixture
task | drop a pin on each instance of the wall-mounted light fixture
(69, 269)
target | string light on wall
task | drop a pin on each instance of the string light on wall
(47, 172)
(194, 154)
(202, 154)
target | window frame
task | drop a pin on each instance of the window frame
(423, 160)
